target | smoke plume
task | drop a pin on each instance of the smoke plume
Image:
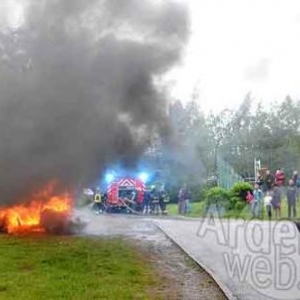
(77, 88)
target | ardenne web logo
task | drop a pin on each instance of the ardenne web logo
(265, 255)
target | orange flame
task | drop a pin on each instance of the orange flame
(27, 218)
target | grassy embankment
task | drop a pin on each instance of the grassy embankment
(198, 210)
(73, 268)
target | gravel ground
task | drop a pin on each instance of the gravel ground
(181, 277)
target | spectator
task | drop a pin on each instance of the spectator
(182, 196)
(280, 181)
(276, 201)
(257, 201)
(279, 177)
(268, 204)
(296, 180)
(249, 197)
(291, 199)
(295, 177)
(188, 197)
(269, 181)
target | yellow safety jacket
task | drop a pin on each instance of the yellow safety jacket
(98, 198)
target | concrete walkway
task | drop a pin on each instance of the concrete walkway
(249, 260)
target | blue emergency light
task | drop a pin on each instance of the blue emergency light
(144, 176)
(109, 177)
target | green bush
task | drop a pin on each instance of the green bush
(239, 206)
(217, 195)
(238, 195)
(233, 201)
(240, 190)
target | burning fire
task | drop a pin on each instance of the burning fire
(38, 214)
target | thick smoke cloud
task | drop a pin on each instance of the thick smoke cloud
(77, 88)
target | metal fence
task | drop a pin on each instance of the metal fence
(227, 176)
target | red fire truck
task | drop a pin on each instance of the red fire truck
(125, 193)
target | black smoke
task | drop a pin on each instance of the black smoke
(77, 88)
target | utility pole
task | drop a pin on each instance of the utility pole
(257, 167)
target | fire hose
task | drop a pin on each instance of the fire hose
(135, 211)
(105, 207)
(129, 208)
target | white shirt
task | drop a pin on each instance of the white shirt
(267, 200)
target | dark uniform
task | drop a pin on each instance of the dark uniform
(163, 200)
(154, 200)
(147, 202)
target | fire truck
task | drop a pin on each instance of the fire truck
(125, 193)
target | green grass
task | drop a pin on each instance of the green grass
(198, 210)
(73, 268)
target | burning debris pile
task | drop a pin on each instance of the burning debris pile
(45, 213)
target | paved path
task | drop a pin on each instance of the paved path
(186, 280)
(266, 253)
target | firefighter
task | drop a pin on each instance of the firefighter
(163, 200)
(154, 196)
(147, 202)
(98, 201)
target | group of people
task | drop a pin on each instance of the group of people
(269, 191)
(154, 201)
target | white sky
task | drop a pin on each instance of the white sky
(10, 12)
(236, 47)
(239, 46)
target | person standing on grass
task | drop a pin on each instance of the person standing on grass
(257, 201)
(182, 197)
(188, 197)
(276, 201)
(268, 204)
(249, 201)
(295, 177)
(268, 181)
(280, 180)
(291, 199)
(280, 177)
(296, 180)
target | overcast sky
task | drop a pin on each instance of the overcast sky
(236, 47)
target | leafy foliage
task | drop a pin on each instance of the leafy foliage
(217, 196)
(238, 195)
(239, 205)
(240, 190)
